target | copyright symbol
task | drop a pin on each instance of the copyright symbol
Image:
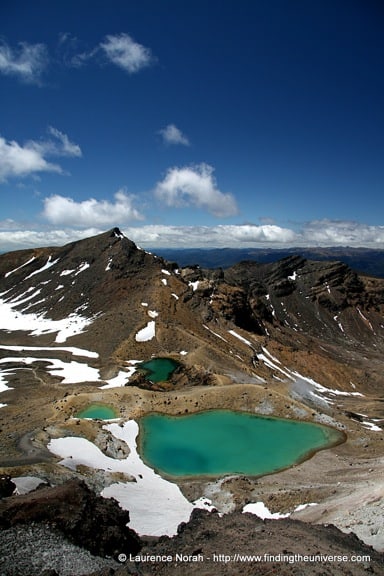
(122, 557)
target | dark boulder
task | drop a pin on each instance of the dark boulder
(92, 522)
(7, 487)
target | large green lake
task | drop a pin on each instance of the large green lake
(219, 442)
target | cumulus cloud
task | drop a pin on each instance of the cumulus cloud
(195, 186)
(27, 62)
(172, 135)
(123, 51)
(64, 211)
(21, 161)
(24, 160)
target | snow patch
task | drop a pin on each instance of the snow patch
(261, 510)
(215, 333)
(71, 372)
(194, 285)
(19, 267)
(146, 333)
(82, 267)
(47, 265)
(371, 426)
(37, 324)
(108, 266)
(72, 349)
(236, 335)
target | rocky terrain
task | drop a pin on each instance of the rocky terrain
(295, 338)
(50, 532)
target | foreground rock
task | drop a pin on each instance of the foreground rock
(38, 549)
(228, 545)
(89, 521)
(7, 487)
(53, 530)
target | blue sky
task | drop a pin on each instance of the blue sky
(192, 123)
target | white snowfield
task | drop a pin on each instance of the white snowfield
(71, 372)
(156, 506)
(72, 349)
(37, 324)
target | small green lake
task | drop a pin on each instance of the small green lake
(219, 442)
(97, 412)
(159, 369)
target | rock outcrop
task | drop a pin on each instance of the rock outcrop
(89, 521)
(244, 544)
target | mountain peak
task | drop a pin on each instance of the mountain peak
(83, 278)
(117, 232)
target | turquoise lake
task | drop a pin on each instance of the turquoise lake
(219, 442)
(97, 411)
(159, 369)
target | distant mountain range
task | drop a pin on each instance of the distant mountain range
(362, 260)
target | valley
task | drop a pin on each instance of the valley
(295, 339)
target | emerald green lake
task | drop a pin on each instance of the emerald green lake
(97, 411)
(159, 369)
(220, 442)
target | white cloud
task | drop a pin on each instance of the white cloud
(316, 233)
(248, 233)
(195, 186)
(15, 236)
(59, 145)
(66, 147)
(21, 161)
(27, 62)
(172, 135)
(123, 51)
(234, 236)
(343, 233)
(61, 210)
(69, 51)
